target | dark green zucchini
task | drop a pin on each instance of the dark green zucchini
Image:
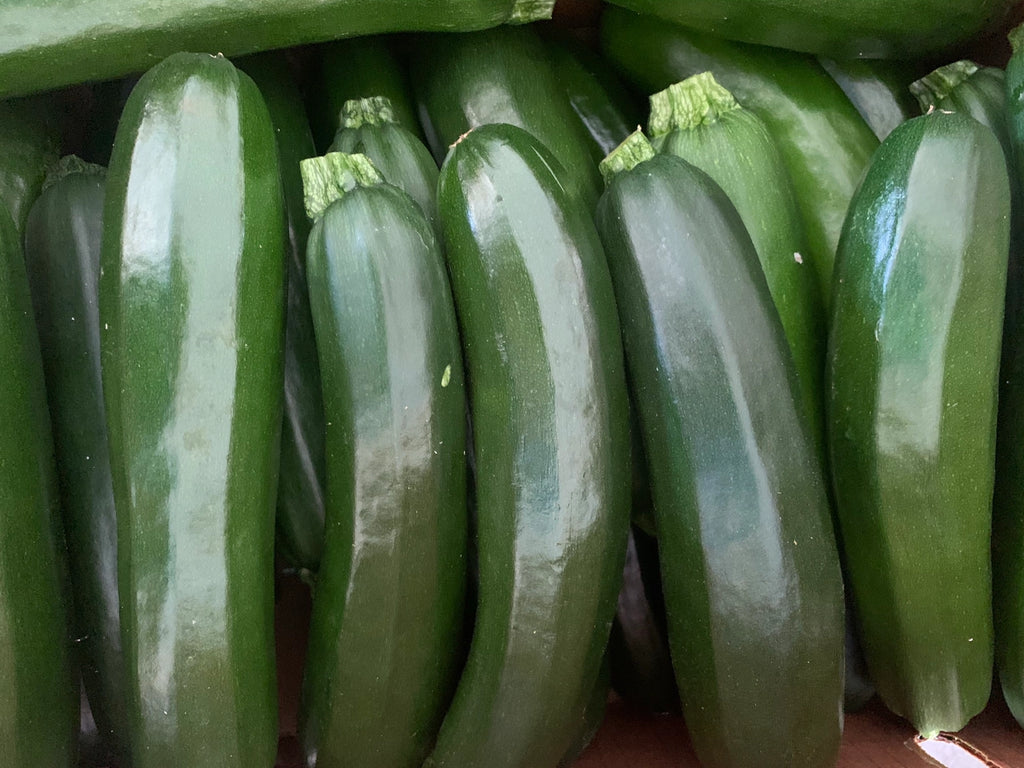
(192, 297)
(873, 29)
(300, 492)
(550, 434)
(1008, 505)
(29, 145)
(878, 89)
(62, 254)
(823, 140)
(500, 76)
(912, 378)
(369, 127)
(590, 720)
(39, 690)
(99, 39)
(600, 100)
(357, 68)
(700, 121)
(749, 566)
(384, 642)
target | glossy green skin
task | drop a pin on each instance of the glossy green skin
(749, 566)
(29, 144)
(589, 722)
(1008, 506)
(192, 300)
(500, 76)
(873, 29)
(983, 97)
(878, 89)
(823, 140)
(62, 254)
(300, 492)
(550, 434)
(641, 665)
(600, 100)
(384, 648)
(38, 684)
(401, 158)
(358, 69)
(100, 39)
(738, 153)
(912, 378)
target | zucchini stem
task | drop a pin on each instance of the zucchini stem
(628, 155)
(329, 178)
(696, 101)
(376, 110)
(525, 11)
(68, 166)
(933, 88)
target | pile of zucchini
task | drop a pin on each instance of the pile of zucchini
(725, 412)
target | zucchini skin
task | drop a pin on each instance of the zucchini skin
(192, 300)
(98, 40)
(878, 89)
(29, 144)
(824, 142)
(385, 638)
(300, 492)
(749, 567)
(912, 379)
(62, 255)
(870, 29)
(501, 75)
(39, 691)
(549, 411)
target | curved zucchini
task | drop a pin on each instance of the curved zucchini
(358, 68)
(300, 492)
(912, 378)
(749, 566)
(878, 89)
(369, 127)
(591, 718)
(29, 145)
(701, 122)
(192, 300)
(39, 691)
(387, 614)
(550, 434)
(62, 254)
(500, 76)
(823, 140)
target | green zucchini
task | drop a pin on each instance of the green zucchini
(878, 89)
(965, 87)
(1008, 506)
(29, 145)
(749, 566)
(39, 690)
(369, 127)
(62, 255)
(300, 492)
(591, 718)
(550, 435)
(912, 377)
(873, 29)
(823, 140)
(387, 613)
(701, 122)
(99, 40)
(358, 68)
(500, 76)
(192, 297)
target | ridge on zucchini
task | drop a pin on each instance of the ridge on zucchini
(329, 177)
(682, 106)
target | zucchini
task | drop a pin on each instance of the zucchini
(700, 121)
(387, 612)
(29, 145)
(300, 492)
(500, 76)
(99, 40)
(62, 255)
(192, 299)
(369, 127)
(547, 394)
(749, 567)
(358, 68)
(878, 89)
(912, 377)
(873, 29)
(39, 690)
(964, 87)
(823, 140)
(591, 718)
